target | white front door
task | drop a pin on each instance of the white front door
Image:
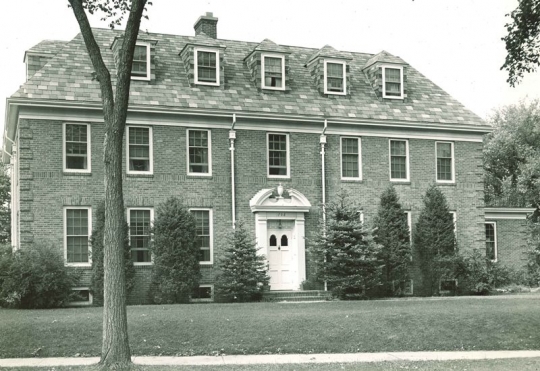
(280, 259)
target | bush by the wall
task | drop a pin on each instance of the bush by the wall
(243, 272)
(176, 268)
(345, 255)
(34, 277)
(96, 241)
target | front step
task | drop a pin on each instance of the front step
(305, 295)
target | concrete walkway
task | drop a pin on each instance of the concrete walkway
(278, 358)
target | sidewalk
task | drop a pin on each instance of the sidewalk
(279, 358)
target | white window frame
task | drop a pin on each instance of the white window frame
(148, 68)
(211, 226)
(453, 180)
(359, 177)
(454, 218)
(209, 173)
(407, 162)
(211, 299)
(79, 264)
(129, 209)
(496, 247)
(88, 148)
(384, 67)
(409, 224)
(344, 64)
(288, 175)
(278, 56)
(196, 66)
(361, 216)
(150, 149)
(82, 303)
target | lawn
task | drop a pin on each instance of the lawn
(270, 328)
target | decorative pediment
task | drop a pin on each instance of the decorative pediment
(269, 199)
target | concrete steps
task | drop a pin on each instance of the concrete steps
(305, 295)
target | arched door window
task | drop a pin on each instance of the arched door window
(273, 240)
(284, 240)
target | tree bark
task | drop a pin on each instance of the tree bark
(115, 350)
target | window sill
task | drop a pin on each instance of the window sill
(398, 181)
(140, 264)
(78, 265)
(439, 183)
(77, 173)
(280, 178)
(141, 175)
(351, 180)
(199, 176)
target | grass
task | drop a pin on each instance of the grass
(273, 328)
(528, 364)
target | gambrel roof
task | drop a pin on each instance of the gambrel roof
(68, 76)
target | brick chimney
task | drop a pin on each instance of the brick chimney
(208, 24)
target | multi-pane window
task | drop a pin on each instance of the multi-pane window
(139, 234)
(199, 152)
(398, 160)
(77, 231)
(491, 241)
(335, 77)
(445, 164)
(278, 155)
(392, 82)
(140, 66)
(273, 72)
(139, 149)
(350, 158)
(207, 67)
(203, 230)
(77, 147)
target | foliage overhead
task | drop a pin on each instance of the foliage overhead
(243, 271)
(176, 268)
(345, 255)
(391, 231)
(434, 240)
(96, 241)
(511, 156)
(111, 10)
(522, 41)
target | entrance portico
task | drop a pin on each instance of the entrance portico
(280, 233)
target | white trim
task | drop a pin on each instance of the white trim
(211, 226)
(209, 173)
(407, 163)
(150, 149)
(78, 264)
(361, 216)
(196, 69)
(298, 202)
(359, 177)
(400, 68)
(204, 300)
(277, 56)
(88, 149)
(82, 303)
(148, 76)
(508, 213)
(409, 224)
(288, 175)
(128, 209)
(453, 161)
(496, 248)
(344, 65)
(454, 218)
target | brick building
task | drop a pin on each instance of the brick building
(228, 125)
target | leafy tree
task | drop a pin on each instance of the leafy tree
(243, 271)
(522, 41)
(176, 269)
(434, 240)
(5, 210)
(96, 240)
(391, 231)
(512, 156)
(115, 350)
(345, 255)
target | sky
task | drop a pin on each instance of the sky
(455, 43)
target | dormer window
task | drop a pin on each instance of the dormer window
(206, 67)
(334, 77)
(273, 72)
(392, 82)
(140, 69)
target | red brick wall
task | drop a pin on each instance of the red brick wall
(45, 190)
(512, 242)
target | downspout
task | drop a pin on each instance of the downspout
(322, 141)
(232, 137)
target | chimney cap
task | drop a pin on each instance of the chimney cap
(209, 16)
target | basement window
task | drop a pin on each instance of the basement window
(81, 296)
(203, 293)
